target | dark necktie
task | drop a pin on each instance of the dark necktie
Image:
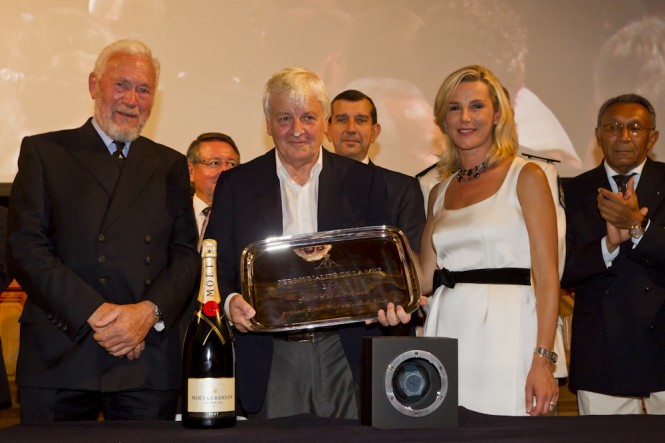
(118, 149)
(204, 225)
(622, 180)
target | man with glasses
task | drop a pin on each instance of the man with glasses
(208, 156)
(616, 265)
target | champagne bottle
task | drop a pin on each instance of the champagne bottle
(208, 356)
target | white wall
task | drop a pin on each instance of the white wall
(217, 55)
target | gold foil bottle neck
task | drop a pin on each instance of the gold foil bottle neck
(209, 248)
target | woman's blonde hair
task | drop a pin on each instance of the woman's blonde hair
(504, 144)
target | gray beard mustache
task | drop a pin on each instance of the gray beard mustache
(127, 135)
(116, 133)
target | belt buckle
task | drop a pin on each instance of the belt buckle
(296, 337)
(301, 337)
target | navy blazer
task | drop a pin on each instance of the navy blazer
(247, 208)
(83, 231)
(618, 332)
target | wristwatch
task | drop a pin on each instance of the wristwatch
(159, 324)
(550, 355)
(637, 231)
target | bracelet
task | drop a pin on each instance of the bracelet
(542, 352)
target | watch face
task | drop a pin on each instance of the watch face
(636, 231)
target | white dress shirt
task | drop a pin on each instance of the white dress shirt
(199, 206)
(299, 203)
(299, 206)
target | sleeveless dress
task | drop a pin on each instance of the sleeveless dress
(495, 325)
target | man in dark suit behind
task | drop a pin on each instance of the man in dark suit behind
(102, 238)
(352, 128)
(296, 188)
(615, 263)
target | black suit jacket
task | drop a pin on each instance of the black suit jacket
(406, 204)
(618, 336)
(80, 236)
(247, 208)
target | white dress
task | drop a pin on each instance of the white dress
(495, 325)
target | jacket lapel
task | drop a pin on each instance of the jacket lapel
(137, 170)
(330, 205)
(651, 189)
(87, 147)
(269, 197)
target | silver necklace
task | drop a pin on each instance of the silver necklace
(466, 175)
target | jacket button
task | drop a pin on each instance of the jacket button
(148, 260)
(652, 327)
(102, 281)
(101, 259)
(647, 289)
(147, 238)
(101, 238)
(148, 282)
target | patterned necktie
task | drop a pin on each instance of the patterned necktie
(204, 225)
(118, 149)
(622, 180)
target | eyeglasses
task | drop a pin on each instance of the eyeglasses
(616, 128)
(216, 163)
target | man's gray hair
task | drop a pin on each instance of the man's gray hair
(299, 83)
(125, 46)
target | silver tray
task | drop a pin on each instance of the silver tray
(328, 278)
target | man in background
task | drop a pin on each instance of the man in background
(207, 157)
(615, 264)
(352, 128)
(102, 238)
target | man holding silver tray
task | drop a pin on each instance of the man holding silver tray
(296, 188)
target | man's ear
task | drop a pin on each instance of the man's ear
(653, 138)
(376, 132)
(92, 85)
(268, 130)
(327, 131)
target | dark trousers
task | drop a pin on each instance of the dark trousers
(50, 405)
(310, 378)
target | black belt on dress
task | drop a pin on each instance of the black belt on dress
(495, 276)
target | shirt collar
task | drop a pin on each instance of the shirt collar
(316, 169)
(611, 172)
(108, 141)
(199, 205)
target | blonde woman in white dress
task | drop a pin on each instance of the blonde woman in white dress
(491, 242)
